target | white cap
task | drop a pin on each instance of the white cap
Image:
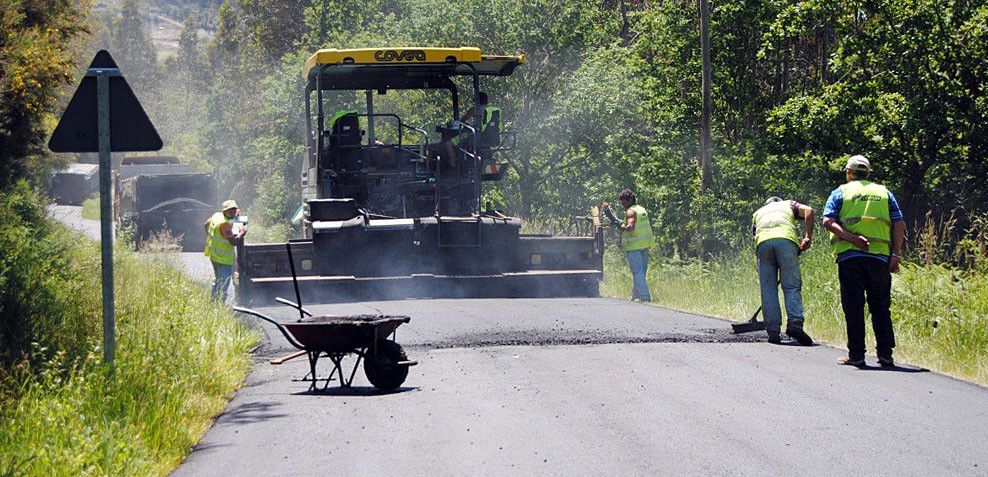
(858, 163)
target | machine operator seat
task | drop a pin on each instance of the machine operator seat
(344, 138)
(344, 129)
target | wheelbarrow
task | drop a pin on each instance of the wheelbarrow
(366, 336)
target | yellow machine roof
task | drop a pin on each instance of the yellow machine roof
(484, 64)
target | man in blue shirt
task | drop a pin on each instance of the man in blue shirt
(867, 230)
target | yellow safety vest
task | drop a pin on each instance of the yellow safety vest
(865, 211)
(218, 248)
(641, 238)
(488, 118)
(774, 221)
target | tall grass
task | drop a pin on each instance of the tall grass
(90, 208)
(179, 357)
(940, 313)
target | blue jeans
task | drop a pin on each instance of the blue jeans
(223, 274)
(778, 263)
(638, 261)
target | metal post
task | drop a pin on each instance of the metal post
(707, 107)
(106, 215)
(371, 139)
(478, 120)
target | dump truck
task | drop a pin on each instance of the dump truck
(74, 184)
(392, 196)
(152, 166)
(163, 199)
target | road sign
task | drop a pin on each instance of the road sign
(104, 103)
(78, 129)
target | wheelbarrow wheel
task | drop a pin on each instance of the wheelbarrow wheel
(383, 370)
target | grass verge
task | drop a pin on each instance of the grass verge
(940, 314)
(179, 358)
(90, 208)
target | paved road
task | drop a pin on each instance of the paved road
(593, 386)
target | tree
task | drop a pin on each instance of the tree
(273, 27)
(36, 60)
(133, 50)
(908, 91)
(225, 46)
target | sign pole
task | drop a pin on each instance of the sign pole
(85, 127)
(106, 214)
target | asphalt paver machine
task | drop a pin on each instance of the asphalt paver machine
(393, 207)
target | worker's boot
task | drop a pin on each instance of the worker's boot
(774, 338)
(856, 361)
(799, 335)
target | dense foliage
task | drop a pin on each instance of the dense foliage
(609, 98)
(42, 297)
(36, 61)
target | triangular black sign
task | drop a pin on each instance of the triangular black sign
(130, 128)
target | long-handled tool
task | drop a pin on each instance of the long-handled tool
(753, 324)
(748, 326)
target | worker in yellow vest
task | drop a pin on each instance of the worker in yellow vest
(777, 245)
(636, 240)
(867, 231)
(220, 242)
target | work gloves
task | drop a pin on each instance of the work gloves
(610, 216)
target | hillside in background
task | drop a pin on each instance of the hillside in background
(164, 20)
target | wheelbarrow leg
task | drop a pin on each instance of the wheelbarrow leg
(356, 365)
(337, 360)
(313, 358)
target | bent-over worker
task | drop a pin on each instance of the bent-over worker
(867, 230)
(220, 243)
(777, 245)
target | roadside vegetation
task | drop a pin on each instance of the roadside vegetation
(179, 357)
(940, 310)
(90, 208)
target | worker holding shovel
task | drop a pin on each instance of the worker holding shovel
(636, 239)
(777, 244)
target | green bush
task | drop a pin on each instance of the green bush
(90, 208)
(44, 292)
(179, 356)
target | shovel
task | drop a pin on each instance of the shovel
(748, 326)
(752, 324)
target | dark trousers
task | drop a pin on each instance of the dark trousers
(861, 277)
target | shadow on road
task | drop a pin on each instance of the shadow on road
(896, 368)
(796, 343)
(355, 391)
(200, 447)
(252, 412)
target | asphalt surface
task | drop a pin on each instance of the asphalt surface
(593, 386)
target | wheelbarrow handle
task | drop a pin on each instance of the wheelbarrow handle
(292, 304)
(282, 329)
